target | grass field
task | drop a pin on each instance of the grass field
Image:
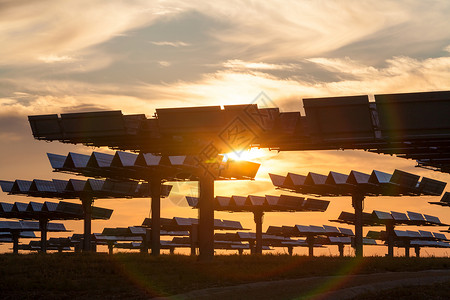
(138, 276)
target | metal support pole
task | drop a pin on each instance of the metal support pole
(310, 240)
(390, 238)
(206, 218)
(155, 189)
(407, 247)
(258, 217)
(417, 249)
(290, 250)
(193, 236)
(251, 245)
(15, 237)
(110, 247)
(357, 202)
(87, 209)
(341, 250)
(43, 227)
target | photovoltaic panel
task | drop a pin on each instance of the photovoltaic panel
(439, 236)
(6, 185)
(277, 180)
(378, 177)
(431, 187)
(415, 216)
(20, 207)
(256, 200)
(100, 160)
(223, 201)
(293, 180)
(76, 160)
(346, 231)
(335, 178)
(404, 179)
(124, 159)
(432, 219)
(413, 234)
(5, 207)
(56, 161)
(445, 197)
(315, 179)
(356, 177)
(382, 215)
(399, 216)
(426, 234)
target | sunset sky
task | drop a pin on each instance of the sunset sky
(136, 56)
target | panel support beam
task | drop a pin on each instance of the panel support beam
(390, 238)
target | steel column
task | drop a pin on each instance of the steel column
(357, 202)
(258, 217)
(43, 227)
(155, 189)
(390, 238)
(87, 209)
(206, 218)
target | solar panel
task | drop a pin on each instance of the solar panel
(56, 161)
(192, 201)
(378, 177)
(381, 215)
(331, 229)
(20, 207)
(223, 201)
(124, 159)
(356, 178)
(405, 179)
(76, 160)
(415, 216)
(35, 206)
(21, 186)
(439, 236)
(445, 198)
(339, 118)
(401, 233)
(60, 185)
(416, 115)
(92, 124)
(272, 200)
(399, 216)
(430, 186)
(346, 231)
(277, 180)
(335, 178)
(315, 204)
(413, 234)
(238, 200)
(315, 179)
(292, 180)
(5, 207)
(303, 229)
(6, 185)
(256, 200)
(100, 160)
(426, 234)
(432, 219)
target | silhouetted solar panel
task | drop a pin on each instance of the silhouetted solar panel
(339, 118)
(414, 115)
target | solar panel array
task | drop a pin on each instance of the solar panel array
(131, 166)
(410, 125)
(379, 218)
(75, 188)
(268, 203)
(377, 183)
(50, 210)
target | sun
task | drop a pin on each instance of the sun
(248, 155)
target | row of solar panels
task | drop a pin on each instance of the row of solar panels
(310, 230)
(178, 223)
(75, 188)
(377, 218)
(408, 235)
(19, 226)
(354, 119)
(125, 165)
(376, 183)
(265, 203)
(411, 125)
(50, 210)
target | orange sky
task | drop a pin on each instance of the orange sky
(67, 56)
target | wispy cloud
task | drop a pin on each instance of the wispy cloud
(171, 44)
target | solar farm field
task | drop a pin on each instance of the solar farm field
(137, 276)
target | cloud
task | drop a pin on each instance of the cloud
(172, 44)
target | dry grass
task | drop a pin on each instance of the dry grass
(138, 276)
